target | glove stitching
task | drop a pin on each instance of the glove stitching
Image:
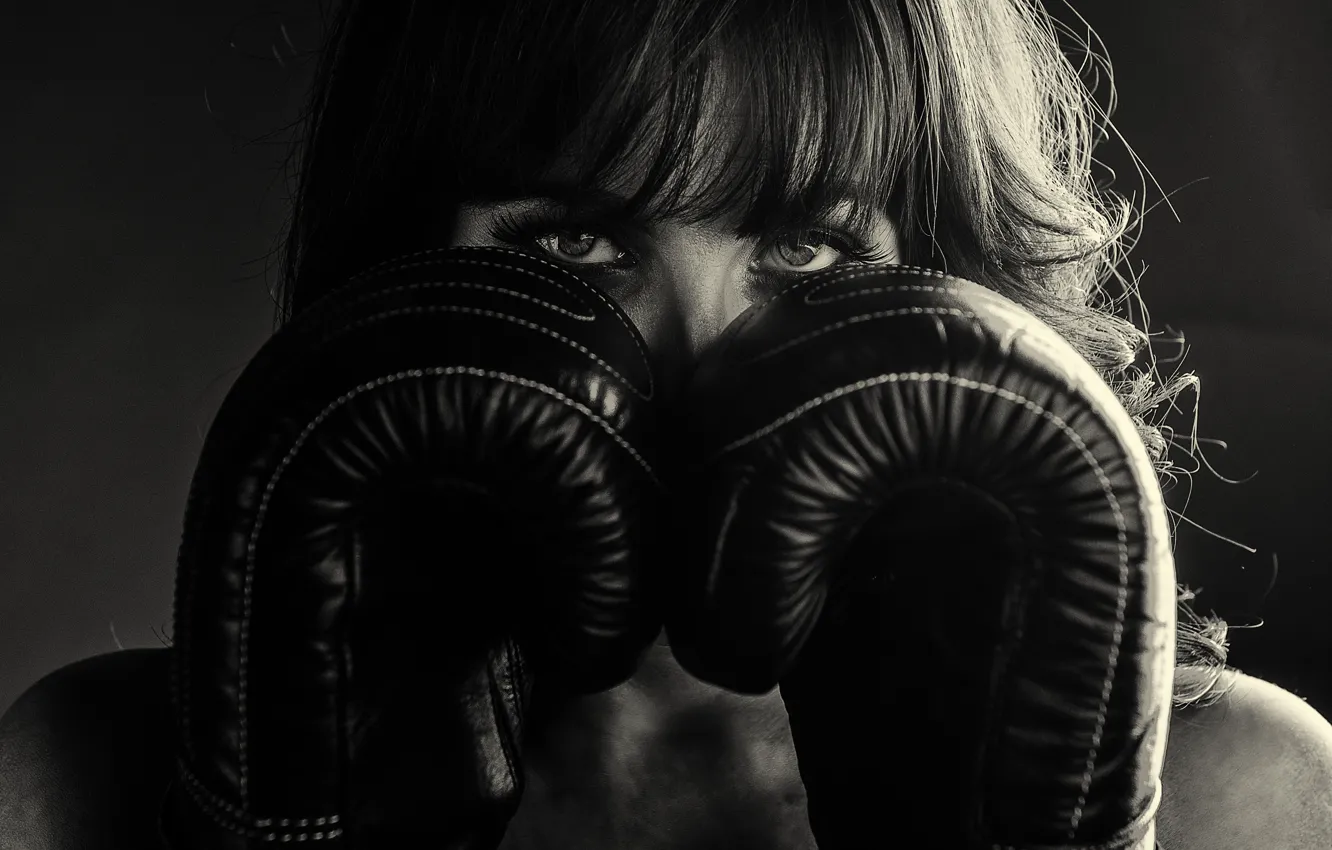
(179, 680)
(377, 269)
(1120, 523)
(839, 275)
(876, 290)
(262, 510)
(229, 818)
(863, 317)
(482, 287)
(493, 314)
(197, 788)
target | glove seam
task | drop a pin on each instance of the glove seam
(1112, 662)
(265, 498)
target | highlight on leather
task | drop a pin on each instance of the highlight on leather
(426, 493)
(921, 513)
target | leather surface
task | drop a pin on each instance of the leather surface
(965, 665)
(920, 512)
(422, 502)
(85, 756)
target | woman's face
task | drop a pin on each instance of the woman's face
(680, 283)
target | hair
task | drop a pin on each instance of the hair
(965, 120)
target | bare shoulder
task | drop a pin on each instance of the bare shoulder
(1252, 770)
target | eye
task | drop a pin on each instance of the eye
(806, 251)
(582, 243)
(581, 248)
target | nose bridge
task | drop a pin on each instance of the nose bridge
(707, 277)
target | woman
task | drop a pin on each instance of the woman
(690, 156)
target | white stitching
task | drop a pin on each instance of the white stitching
(207, 798)
(309, 429)
(444, 259)
(874, 290)
(185, 689)
(483, 287)
(1076, 439)
(826, 280)
(180, 682)
(261, 828)
(492, 314)
(863, 317)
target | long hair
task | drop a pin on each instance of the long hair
(965, 120)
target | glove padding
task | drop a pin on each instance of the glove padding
(923, 514)
(425, 494)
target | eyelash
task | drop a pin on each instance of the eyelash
(522, 229)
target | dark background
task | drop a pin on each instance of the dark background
(140, 199)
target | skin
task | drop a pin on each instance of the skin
(665, 761)
(687, 282)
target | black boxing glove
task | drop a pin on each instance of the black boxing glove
(921, 513)
(425, 496)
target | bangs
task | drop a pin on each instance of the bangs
(757, 114)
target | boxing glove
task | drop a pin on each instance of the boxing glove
(920, 513)
(423, 502)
